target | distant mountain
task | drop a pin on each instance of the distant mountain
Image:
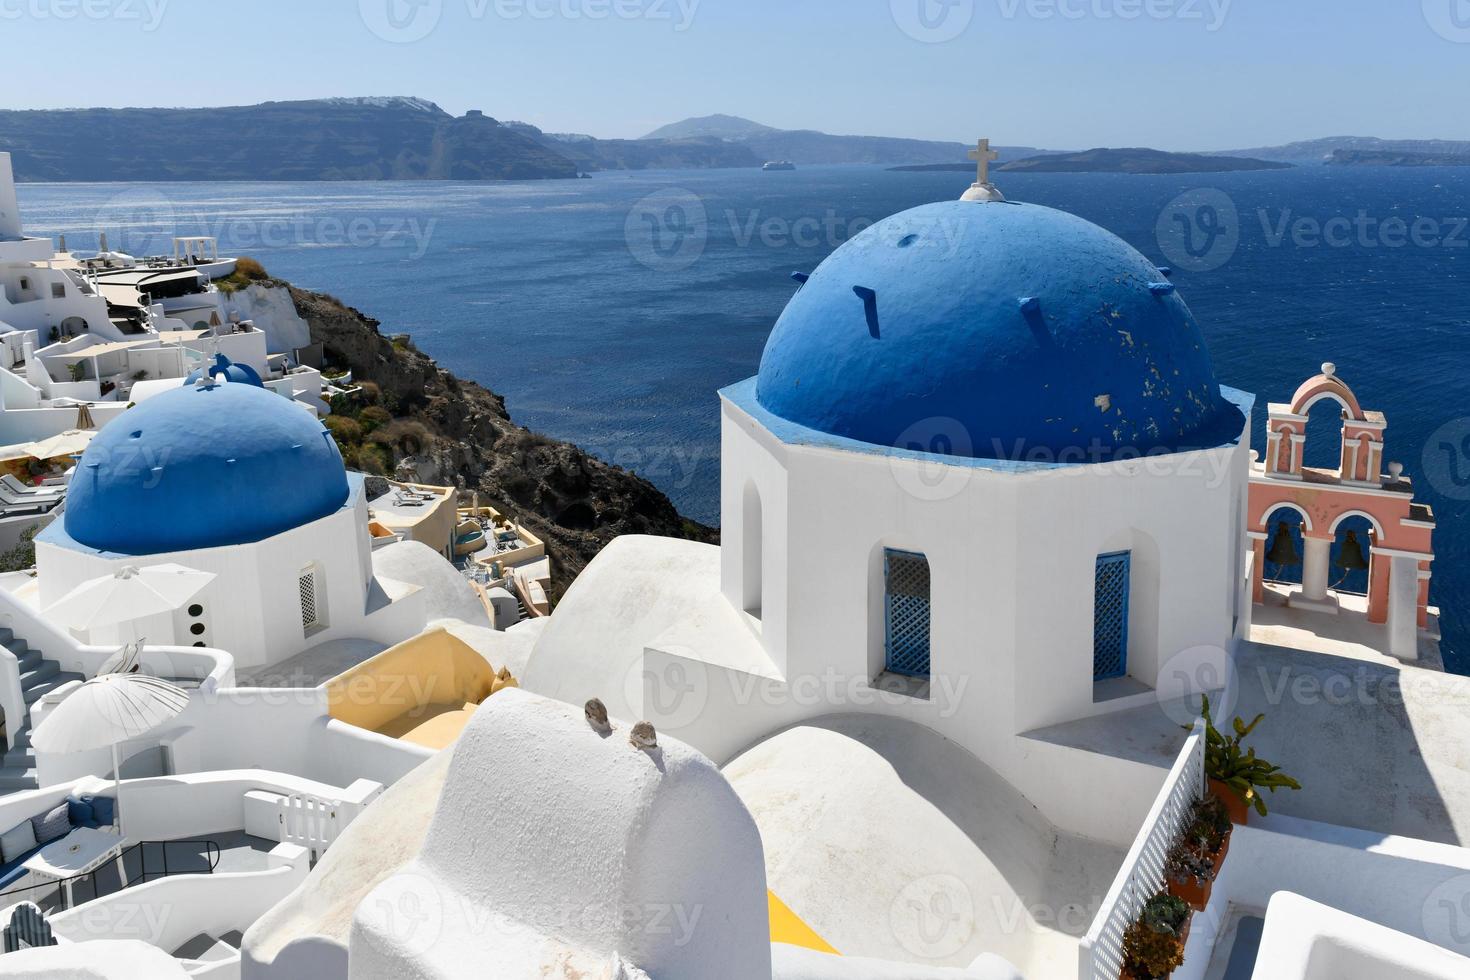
(717, 126)
(1137, 160)
(1394, 158)
(810, 147)
(1322, 150)
(645, 154)
(320, 139)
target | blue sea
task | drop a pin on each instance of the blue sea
(608, 311)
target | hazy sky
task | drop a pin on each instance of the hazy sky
(1176, 74)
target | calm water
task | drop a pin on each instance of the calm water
(534, 290)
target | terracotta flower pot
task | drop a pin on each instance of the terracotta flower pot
(1238, 809)
(1196, 894)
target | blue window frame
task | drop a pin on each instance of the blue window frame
(1110, 616)
(906, 613)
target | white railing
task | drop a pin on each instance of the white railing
(310, 822)
(1100, 954)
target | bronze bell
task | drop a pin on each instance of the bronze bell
(1350, 555)
(1283, 548)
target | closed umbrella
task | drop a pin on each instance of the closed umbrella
(131, 593)
(105, 712)
(84, 417)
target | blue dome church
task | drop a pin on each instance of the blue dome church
(986, 446)
(226, 477)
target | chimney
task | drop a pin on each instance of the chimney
(9, 206)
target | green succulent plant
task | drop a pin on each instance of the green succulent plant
(1152, 946)
(1238, 768)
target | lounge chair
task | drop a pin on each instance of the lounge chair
(13, 500)
(21, 488)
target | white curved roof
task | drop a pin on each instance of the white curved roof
(634, 590)
(547, 834)
(894, 843)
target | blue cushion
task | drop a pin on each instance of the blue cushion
(102, 808)
(13, 871)
(52, 825)
(18, 841)
(79, 812)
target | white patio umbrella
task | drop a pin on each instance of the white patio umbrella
(105, 712)
(131, 593)
(69, 443)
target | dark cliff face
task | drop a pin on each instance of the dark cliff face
(457, 432)
(325, 139)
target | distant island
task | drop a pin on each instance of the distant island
(403, 138)
(1392, 158)
(1138, 160)
(409, 138)
(321, 139)
(1323, 150)
(809, 147)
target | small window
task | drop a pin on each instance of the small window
(1110, 616)
(196, 610)
(907, 614)
(309, 587)
(25, 284)
(58, 290)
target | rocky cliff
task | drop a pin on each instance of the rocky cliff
(419, 419)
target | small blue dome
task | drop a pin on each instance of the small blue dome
(223, 366)
(203, 467)
(995, 331)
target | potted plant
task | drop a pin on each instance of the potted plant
(1153, 947)
(1236, 776)
(1190, 873)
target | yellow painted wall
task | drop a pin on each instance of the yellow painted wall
(433, 668)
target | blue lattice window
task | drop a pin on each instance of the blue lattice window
(907, 613)
(1110, 616)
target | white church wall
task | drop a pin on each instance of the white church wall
(754, 487)
(1012, 559)
(1170, 513)
(254, 604)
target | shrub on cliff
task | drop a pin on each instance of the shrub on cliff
(247, 271)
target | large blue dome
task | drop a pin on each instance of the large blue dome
(203, 467)
(995, 331)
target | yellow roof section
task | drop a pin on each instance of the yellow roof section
(787, 927)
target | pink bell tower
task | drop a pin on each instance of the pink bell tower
(1402, 535)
